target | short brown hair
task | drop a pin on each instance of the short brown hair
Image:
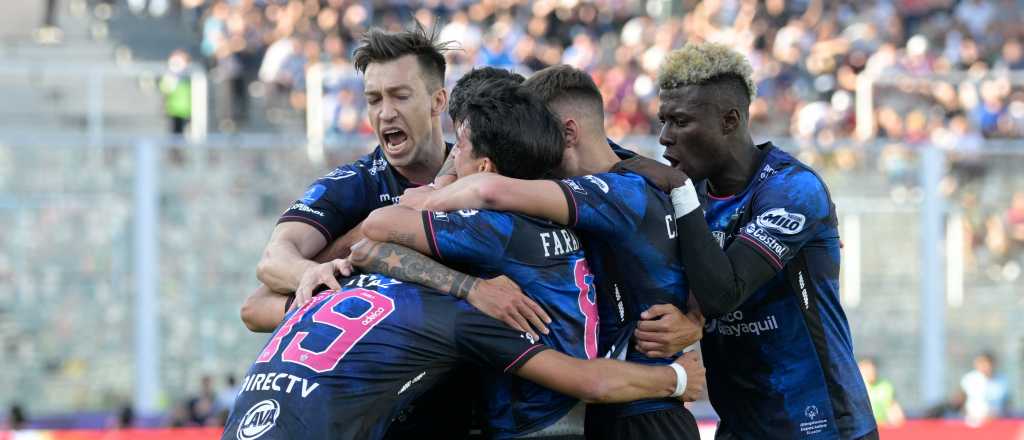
(380, 46)
(564, 84)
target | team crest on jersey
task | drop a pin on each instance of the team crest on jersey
(467, 212)
(782, 221)
(313, 194)
(259, 419)
(339, 174)
(575, 186)
(598, 182)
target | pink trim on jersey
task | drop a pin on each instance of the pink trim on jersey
(308, 221)
(712, 196)
(433, 235)
(528, 350)
(764, 250)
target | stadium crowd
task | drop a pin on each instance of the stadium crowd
(806, 55)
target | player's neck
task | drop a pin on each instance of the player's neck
(424, 170)
(736, 174)
(596, 157)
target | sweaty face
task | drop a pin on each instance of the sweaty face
(399, 107)
(691, 132)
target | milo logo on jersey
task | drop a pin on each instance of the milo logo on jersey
(781, 221)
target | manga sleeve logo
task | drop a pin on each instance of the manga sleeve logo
(781, 221)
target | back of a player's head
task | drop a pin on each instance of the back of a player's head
(379, 46)
(569, 91)
(724, 72)
(467, 85)
(515, 130)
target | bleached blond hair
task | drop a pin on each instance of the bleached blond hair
(696, 64)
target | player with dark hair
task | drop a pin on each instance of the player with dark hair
(627, 227)
(466, 86)
(403, 77)
(342, 366)
(762, 253)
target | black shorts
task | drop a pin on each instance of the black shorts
(721, 435)
(667, 424)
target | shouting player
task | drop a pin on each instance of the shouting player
(627, 227)
(403, 81)
(762, 254)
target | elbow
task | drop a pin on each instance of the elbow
(375, 226)
(490, 193)
(249, 315)
(361, 252)
(597, 390)
(263, 269)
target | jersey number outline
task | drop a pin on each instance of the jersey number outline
(351, 330)
(588, 307)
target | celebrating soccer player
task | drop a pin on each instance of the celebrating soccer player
(628, 230)
(761, 249)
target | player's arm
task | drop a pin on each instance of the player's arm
(288, 255)
(537, 198)
(610, 381)
(263, 309)
(720, 279)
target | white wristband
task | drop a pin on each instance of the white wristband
(684, 199)
(680, 379)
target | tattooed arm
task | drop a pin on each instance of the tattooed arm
(396, 246)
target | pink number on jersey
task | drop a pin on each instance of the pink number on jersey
(587, 306)
(352, 329)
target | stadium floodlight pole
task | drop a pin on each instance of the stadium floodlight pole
(933, 301)
(199, 125)
(315, 126)
(146, 262)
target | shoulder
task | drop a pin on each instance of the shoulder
(791, 183)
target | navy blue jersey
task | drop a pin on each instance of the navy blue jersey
(344, 197)
(342, 366)
(628, 228)
(782, 364)
(545, 260)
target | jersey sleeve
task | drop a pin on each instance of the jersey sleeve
(788, 210)
(468, 236)
(610, 203)
(334, 203)
(489, 343)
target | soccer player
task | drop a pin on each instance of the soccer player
(343, 365)
(627, 227)
(403, 80)
(762, 258)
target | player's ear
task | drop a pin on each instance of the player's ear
(572, 133)
(731, 121)
(438, 102)
(486, 166)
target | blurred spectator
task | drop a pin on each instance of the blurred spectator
(49, 32)
(883, 399)
(226, 397)
(125, 418)
(1015, 220)
(176, 87)
(950, 409)
(202, 406)
(987, 394)
(16, 418)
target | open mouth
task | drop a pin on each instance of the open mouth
(394, 139)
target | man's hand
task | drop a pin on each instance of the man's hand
(461, 194)
(321, 274)
(662, 176)
(695, 379)
(416, 198)
(443, 181)
(663, 330)
(501, 299)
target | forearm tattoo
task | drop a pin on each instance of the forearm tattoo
(405, 264)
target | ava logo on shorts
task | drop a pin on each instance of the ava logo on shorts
(258, 420)
(780, 220)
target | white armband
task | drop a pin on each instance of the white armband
(684, 199)
(680, 379)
